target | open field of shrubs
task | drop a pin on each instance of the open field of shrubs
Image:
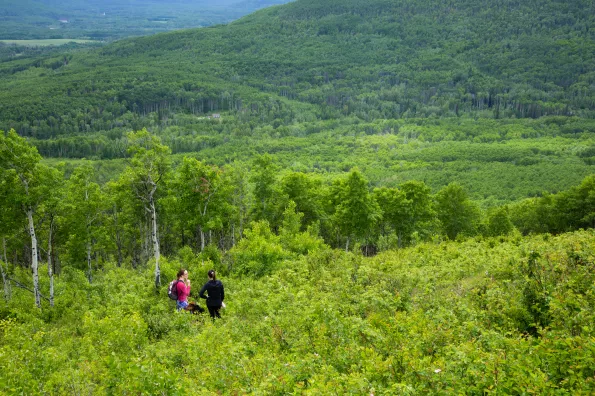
(504, 315)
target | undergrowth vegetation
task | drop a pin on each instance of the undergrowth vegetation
(502, 315)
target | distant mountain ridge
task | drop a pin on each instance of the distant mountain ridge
(368, 59)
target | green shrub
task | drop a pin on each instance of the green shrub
(259, 253)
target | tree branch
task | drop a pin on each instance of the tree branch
(20, 285)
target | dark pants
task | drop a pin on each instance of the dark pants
(214, 311)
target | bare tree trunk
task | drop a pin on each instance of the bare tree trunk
(149, 238)
(202, 238)
(4, 248)
(347, 245)
(34, 262)
(233, 235)
(50, 264)
(118, 236)
(89, 273)
(143, 243)
(155, 242)
(119, 252)
(5, 280)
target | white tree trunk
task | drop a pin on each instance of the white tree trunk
(5, 283)
(50, 264)
(155, 240)
(34, 263)
(202, 238)
(347, 245)
(89, 268)
(5, 280)
(143, 243)
(118, 237)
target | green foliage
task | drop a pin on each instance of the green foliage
(83, 204)
(200, 194)
(408, 211)
(306, 93)
(263, 178)
(501, 315)
(306, 191)
(567, 210)
(259, 252)
(284, 66)
(456, 212)
(499, 222)
(355, 211)
(292, 239)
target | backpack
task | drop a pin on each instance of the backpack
(172, 290)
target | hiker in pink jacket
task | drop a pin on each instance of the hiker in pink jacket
(183, 289)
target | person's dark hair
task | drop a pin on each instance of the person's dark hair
(212, 275)
(181, 272)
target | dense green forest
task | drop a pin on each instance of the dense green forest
(106, 20)
(373, 59)
(422, 293)
(395, 84)
(159, 206)
(498, 161)
(398, 195)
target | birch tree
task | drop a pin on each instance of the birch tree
(83, 202)
(236, 178)
(50, 213)
(263, 177)
(19, 162)
(149, 164)
(9, 222)
(201, 191)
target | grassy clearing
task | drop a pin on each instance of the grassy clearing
(36, 43)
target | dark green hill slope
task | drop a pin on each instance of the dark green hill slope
(371, 59)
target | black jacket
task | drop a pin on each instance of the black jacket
(216, 294)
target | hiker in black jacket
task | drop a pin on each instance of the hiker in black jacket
(215, 292)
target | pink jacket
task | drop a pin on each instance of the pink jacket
(183, 291)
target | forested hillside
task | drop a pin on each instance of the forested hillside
(399, 196)
(370, 59)
(397, 78)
